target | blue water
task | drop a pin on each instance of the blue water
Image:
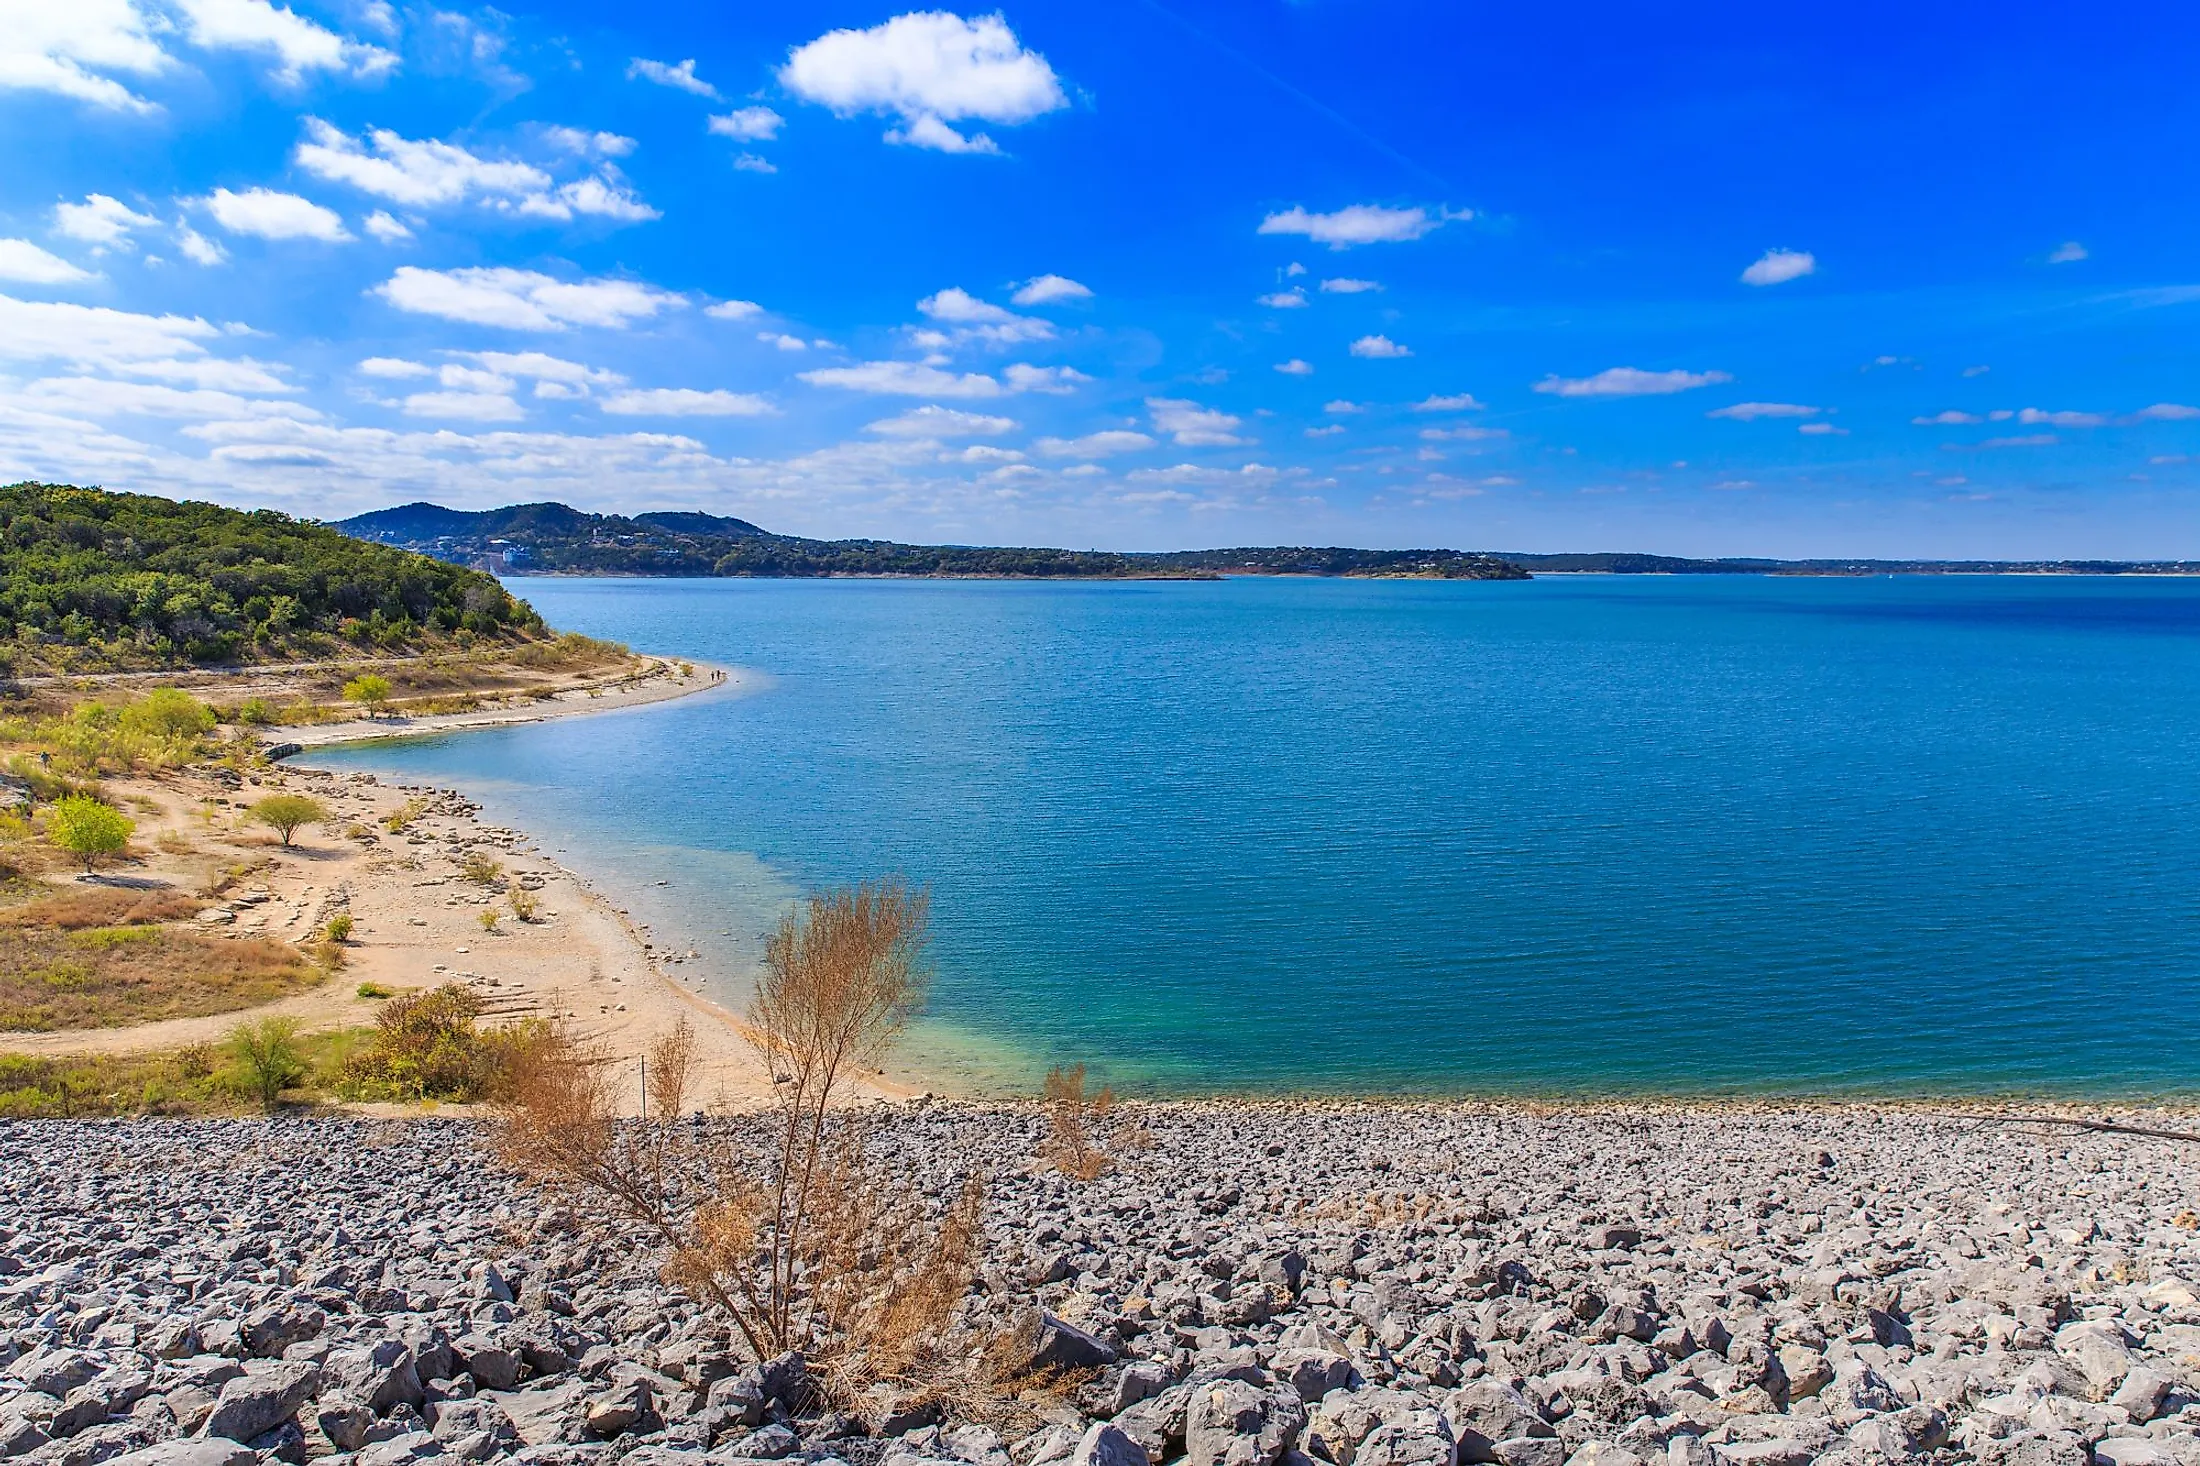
(1580, 834)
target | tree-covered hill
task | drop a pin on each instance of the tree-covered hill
(91, 580)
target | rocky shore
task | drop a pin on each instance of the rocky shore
(1251, 1285)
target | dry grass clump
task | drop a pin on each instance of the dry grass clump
(86, 906)
(783, 1225)
(482, 868)
(1077, 1124)
(85, 975)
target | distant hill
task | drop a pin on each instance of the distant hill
(556, 539)
(93, 581)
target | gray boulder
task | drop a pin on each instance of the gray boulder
(1232, 1423)
(189, 1453)
(1041, 1344)
(493, 1366)
(256, 1403)
(1312, 1372)
(379, 1376)
(1106, 1445)
(1486, 1411)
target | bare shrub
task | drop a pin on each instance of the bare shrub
(1077, 1123)
(784, 1225)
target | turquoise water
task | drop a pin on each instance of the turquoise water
(1580, 834)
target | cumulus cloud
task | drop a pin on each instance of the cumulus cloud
(928, 68)
(394, 367)
(540, 367)
(748, 124)
(1949, 419)
(682, 77)
(1284, 300)
(413, 172)
(783, 341)
(1457, 402)
(101, 222)
(1357, 224)
(1193, 426)
(904, 379)
(582, 143)
(24, 261)
(733, 310)
(386, 227)
(523, 300)
(2069, 252)
(1463, 435)
(1349, 286)
(267, 214)
(1821, 430)
(941, 422)
(68, 49)
(1047, 289)
(1630, 382)
(1751, 411)
(1096, 445)
(2166, 412)
(982, 320)
(464, 405)
(1377, 348)
(1295, 368)
(751, 163)
(2034, 417)
(294, 44)
(1778, 266)
(686, 402)
(1055, 381)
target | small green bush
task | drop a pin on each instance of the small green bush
(88, 829)
(267, 1058)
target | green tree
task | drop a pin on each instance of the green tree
(88, 829)
(267, 1057)
(284, 813)
(370, 690)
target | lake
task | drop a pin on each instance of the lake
(1581, 834)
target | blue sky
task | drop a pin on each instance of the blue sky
(1710, 279)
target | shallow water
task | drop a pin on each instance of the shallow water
(1579, 834)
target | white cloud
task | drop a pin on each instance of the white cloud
(982, 320)
(1341, 407)
(928, 68)
(196, 247)
(1047, 289)
(2069, 252)
(582, 143)
(100, 221)
(415, 173)
(686, 402)
(1629, 382)
(1463, 435)
(394, 367)
(524, 300)
(1778, 266)
(1377, 348)
(2167, 412)
(297, 44)
(751, 163)
(1751, 411)
(942, 422)
(541, 367)
(1949, 419)
(2033, 416)
(470, 406)
(271, 215)
(1349, 286)
(1457, 402)
(1193, 426)
(387, 227)
(98, 336)
(1821, 430)
(1328, 432)
(105, 397)
(605, 196)
(2027, 440)
(904, 379)
(733, 310)
(681, 76)
(1097, 445)
(1295, 368)
(783, 341)
(1055, 381)
(1284, 300)
(64, 46)
(748, 124)
(22, 260)
(1356, 224)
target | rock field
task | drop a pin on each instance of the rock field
(1253, 1285)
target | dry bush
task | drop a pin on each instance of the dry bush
(783, 1224)
(525, 903)
(427, 1045)
(1077, 1124)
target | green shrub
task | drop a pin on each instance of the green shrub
(267, 1058)
(426, 1046)
(88, 829)
(284, 813)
